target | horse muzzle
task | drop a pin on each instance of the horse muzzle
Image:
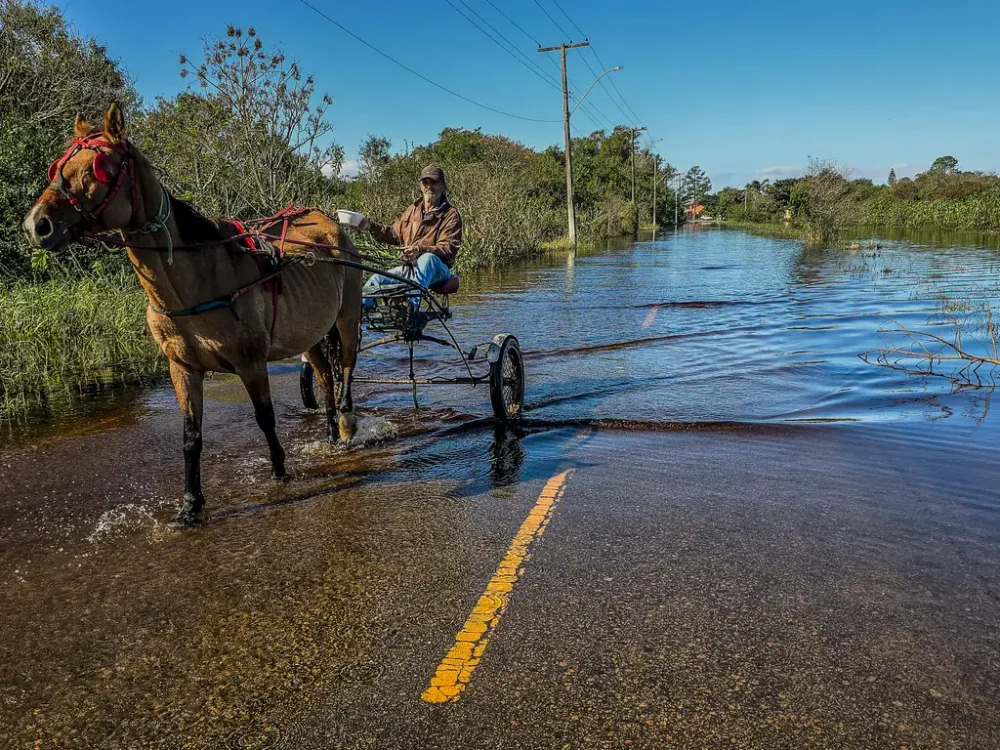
(46, 231)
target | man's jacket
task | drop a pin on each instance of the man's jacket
(438, 231)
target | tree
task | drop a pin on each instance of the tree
(905, 189)
(892, 177)
(697, 184)
(374, 156)
(824, 200)
(49, 74)
(944, 165)
(274, 137)
(728, 199)
(187, 139)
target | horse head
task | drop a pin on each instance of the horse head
(85, 192)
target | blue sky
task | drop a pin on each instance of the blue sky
(746, 90)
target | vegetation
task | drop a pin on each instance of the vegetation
(696, 185)
(826, 201)
(64, 335)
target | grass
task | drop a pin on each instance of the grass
(767, 230)
(66, 337)
(563, 244)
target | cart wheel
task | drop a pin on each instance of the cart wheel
(308, 387)
(506, 377)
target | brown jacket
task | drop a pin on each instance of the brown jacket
(438, 231)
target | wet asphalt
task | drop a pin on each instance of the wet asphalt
(690, 591)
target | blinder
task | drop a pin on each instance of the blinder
(103, 168)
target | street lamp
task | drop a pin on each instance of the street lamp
(609, 70)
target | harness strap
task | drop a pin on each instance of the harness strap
(225, 301)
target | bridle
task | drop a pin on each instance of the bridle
(104, 172)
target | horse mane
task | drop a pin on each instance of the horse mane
(192, 224)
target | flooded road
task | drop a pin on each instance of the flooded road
(717, 528)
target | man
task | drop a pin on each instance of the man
(429, 233)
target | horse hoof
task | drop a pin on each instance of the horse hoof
(282, 478)
(348, 426)
(190, 512)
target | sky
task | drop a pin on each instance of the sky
(746, 90)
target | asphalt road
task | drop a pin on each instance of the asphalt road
(757, 587)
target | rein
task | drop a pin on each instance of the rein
(254, 240)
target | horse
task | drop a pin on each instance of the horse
(208, 308)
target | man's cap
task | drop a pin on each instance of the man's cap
(433, 173)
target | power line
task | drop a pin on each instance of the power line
(584, 108)
(615, 87)
(418, 75)
(514, 24)
(530, 66)
(630, 120)
(561, 29)
(496, 31)
(568, 18)
(599, 62)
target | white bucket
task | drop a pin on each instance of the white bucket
(350, 218)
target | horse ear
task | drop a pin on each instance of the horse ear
(114, 124)
(81, 128)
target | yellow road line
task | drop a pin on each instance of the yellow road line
(651, 316)
(455, 670)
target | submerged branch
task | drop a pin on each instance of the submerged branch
(926, 349)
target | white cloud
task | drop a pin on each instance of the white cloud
(349, 169)
(780, 172)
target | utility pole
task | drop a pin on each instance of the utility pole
(656, 164)
(677, 194)
(570, 204)
(635, 212)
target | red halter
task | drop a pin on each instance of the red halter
(104, 171)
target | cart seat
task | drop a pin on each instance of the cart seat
(448, 286)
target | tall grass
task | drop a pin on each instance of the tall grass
(978, 212)
(67, 336)
(769, 229)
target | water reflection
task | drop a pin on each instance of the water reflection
(507, 456)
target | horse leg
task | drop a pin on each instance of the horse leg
(317, 356)
(349, 330)
(258, 387)
(188, 387)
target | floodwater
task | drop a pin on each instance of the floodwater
(312, 614)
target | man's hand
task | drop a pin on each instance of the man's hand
(409, 254)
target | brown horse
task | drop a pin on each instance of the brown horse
(190, 268)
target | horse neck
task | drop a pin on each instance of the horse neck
(172, 280)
